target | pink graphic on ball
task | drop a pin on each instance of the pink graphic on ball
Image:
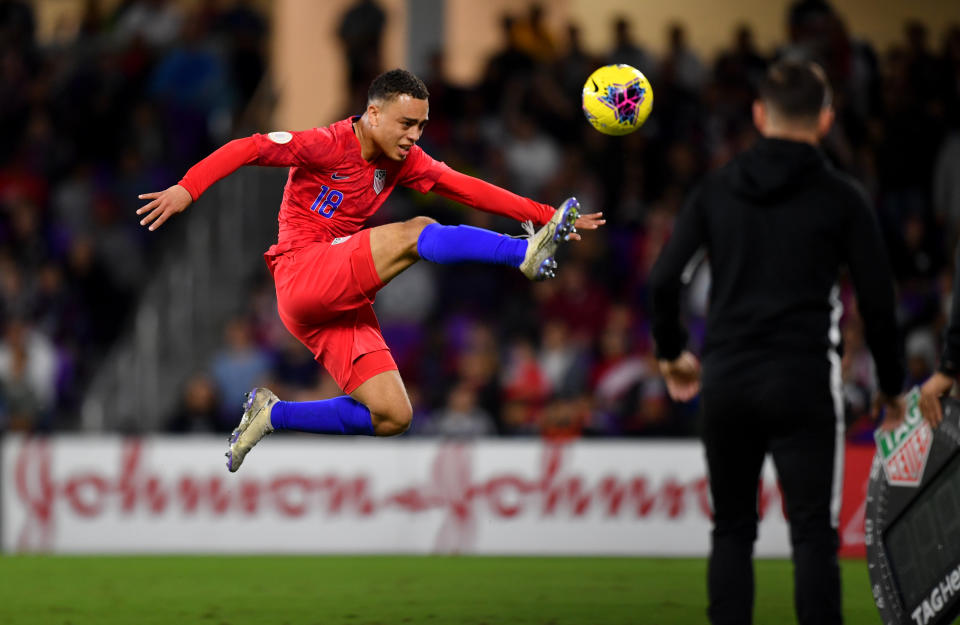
(625, 100)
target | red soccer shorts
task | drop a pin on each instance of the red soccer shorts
(325, 293)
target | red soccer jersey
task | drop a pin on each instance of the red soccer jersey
(331, 190)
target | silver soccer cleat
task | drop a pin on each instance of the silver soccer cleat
(538, 263)
(254, 425)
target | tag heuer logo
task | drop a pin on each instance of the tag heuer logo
(379, 178)
(904, 451)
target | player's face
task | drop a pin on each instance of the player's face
(400, 124)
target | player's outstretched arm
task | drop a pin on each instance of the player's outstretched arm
(490, 198)
(277, 149)
(163, 205)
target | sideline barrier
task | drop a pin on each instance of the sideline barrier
(299, 494)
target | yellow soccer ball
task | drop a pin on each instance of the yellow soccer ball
(617, 99)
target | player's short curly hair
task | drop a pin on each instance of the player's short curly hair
(396, 82)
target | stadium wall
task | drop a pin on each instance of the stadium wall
(87, 494)
(472, 28)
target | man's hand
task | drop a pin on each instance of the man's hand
(936, 386)
(586, 222)
(682, 376)
(164, 204)
(895, 409)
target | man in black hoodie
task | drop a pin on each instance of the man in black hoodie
(778, 223)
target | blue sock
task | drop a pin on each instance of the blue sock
(457, 244)
(340, 415)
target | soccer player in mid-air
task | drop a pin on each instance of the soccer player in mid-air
(327, 268)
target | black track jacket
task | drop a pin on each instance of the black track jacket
(778, 223)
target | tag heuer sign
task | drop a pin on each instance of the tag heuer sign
(903, 452)
(911, 529)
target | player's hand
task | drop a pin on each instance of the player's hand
(936, 386)
(682, 376)
(591, 221)
(163, 205)
(894, 410)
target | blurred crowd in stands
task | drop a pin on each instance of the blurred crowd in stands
(122, 103)
(138, 95)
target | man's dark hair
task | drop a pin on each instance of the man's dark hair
(797, 90)
(396, 82)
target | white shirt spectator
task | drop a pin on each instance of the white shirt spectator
(28, 363)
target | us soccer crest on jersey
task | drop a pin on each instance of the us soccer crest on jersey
(379, 180)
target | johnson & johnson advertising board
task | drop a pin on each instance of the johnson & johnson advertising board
(78, 494)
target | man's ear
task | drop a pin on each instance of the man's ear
(373, 114)
(825, 121)
(760, 115)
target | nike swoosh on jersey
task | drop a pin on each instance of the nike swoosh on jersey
(339, 176)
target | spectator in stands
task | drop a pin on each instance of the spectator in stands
(461, 417)
(627, 50)
(506, 69)
(361, 34)
(239, 366)
(533, 36)
(681, 65)
(28, 368)
(199, 409)
(157, 22)
(574, 65)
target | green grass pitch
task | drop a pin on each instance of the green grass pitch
(375, 590)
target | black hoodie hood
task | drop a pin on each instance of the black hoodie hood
(774, 167)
